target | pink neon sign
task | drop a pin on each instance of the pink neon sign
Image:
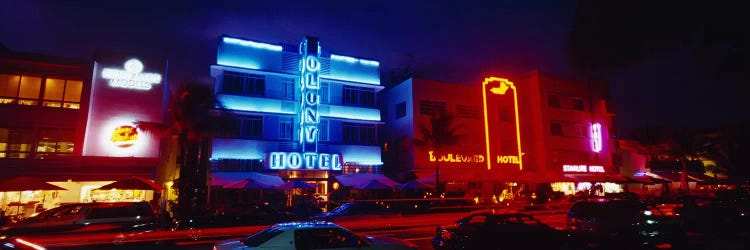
(596, 137)
(583, 168)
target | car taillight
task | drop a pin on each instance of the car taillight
(443, 233)
(572, 223)
(29, 244)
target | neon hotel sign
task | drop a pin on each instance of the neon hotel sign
(511, 155)
(455, 157)
(468, 158)
(583, 168)
(309, 117)
(131, 76)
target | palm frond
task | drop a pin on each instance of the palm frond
(442, 132)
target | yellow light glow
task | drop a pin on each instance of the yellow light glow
(501, 89)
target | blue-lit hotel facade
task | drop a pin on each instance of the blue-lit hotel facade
(296, 111)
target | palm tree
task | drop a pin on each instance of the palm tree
(193, 122)
(721, 146)
(441, 134)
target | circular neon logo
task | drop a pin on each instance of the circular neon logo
(133, 66)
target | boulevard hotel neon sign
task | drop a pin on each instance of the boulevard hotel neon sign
(455, 157)
(500, 101)
(309, 117)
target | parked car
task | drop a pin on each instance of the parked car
(623, 223)
(311, 235)
(725, 213)
(494, 229)
(358, 210)
(97, 216)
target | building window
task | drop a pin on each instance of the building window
(359, 96)
(243, 84)
(246, 126)
(323, 134)
(471, 112)
(578, 104)
(57, 142)
(288, 88)
(16, 143)
(324, 93)
(553, 101)
(357, 133)
(286, 128)
(25, 90)
(400, 109)
(62, 93)
(556, 128)
(28, 93)
(9, 88)
(431, 107)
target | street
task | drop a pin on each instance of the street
(418, 229)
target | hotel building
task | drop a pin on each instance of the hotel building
(298, 111)
(568, 123)
(539, 129)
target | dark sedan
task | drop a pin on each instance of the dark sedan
(494, 229)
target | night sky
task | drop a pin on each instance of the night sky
(454, 41)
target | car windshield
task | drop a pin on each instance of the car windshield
(341, 208)
(261, 237)
(53, 212)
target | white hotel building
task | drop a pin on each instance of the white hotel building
(310, 119)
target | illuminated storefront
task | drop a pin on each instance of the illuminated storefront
(299, 112)
(75, 125)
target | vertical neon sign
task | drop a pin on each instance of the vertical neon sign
(309, 118)
(596, 137)
(310, 100)
(503, 85)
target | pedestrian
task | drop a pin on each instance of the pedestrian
(2, 217)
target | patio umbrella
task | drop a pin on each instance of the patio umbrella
(26, 183)
(374, 185)
(250, 184)
(429, 179)
(295, 184)
(134, 183)
(356, 180)
(414, 184)
(257, 182)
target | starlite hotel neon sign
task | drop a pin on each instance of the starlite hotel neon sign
(309, 118)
